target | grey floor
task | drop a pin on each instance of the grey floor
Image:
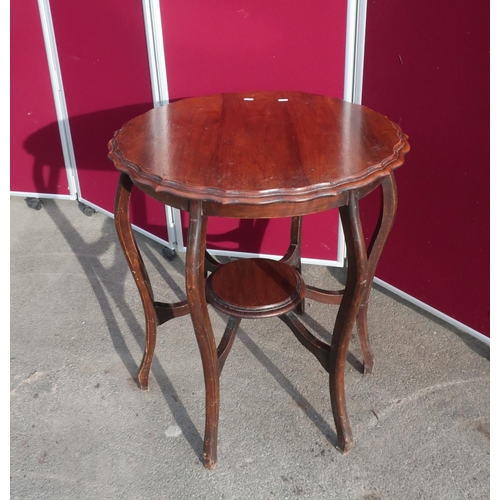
(81, 428)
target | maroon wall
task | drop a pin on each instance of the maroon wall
(244, 45)
(427, 68)
(43, 173)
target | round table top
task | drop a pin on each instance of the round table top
(257, 148)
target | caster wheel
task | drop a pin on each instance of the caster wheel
(34, 203)
(89, 212)
(168, 253)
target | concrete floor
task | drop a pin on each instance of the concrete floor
(81, 428)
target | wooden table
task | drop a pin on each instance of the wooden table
(260, 155)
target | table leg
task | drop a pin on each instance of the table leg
(293, 254)
(386, 220)
(195, 289)
(346, 317)
(136, 265)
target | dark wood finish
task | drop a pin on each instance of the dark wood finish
(260, 155)
(211, 264)
(333, 297)
(255, 288)
(227, 341)
(309, 341)
(278, 147)
(165, 312)
(348, 311)
(292, 255)
(376, 246)
(195, 288)
(136, 265)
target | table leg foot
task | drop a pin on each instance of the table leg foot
(339, 408)
(143, 379)
(345, 447)
(209, 462)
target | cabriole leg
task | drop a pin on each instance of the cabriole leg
(346, 317)
(136, 265)
(386, 220)
(195, 289)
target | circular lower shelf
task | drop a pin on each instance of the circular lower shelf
(255, 288)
